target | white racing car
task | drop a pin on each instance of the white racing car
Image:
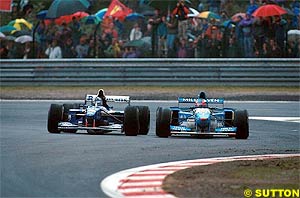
(93, 117)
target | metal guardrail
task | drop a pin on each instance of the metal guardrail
(210, 72)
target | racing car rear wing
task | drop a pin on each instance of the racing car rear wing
(122, 99)
(193, 100)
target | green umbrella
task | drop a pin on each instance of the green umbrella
(66, 7)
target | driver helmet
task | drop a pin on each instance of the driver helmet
(101, 93)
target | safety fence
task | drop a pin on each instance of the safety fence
(164, 72)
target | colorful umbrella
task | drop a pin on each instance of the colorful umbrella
(208, 15)
(18, 24)
(66, 7)
(24, 39)
(134, 16)
(238, 16)
(269, 10)
(100, 14)
(90, 20)
(68, 18)
(42, 15)
(7, 28)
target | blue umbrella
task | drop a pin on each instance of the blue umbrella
(100, 14)
(134, 16)
(42, 15)
(66, 7)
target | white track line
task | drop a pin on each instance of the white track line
(138, 182)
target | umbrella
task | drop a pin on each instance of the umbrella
(21, 33)
(10, 38)
(68, 18)
(134, 16)
(2, 35)
(293, 35)
(19, 24)
(269, 10)
(90, 20)
(7, 28)
(66, 7)
(100, 14)
(24, 39)
(137, 43)
(42, 15)
(193, 12)
(238, 16)
(208, 15)
(228, 24)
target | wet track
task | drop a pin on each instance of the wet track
(35, 163)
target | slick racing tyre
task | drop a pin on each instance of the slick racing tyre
(163, 120)
(144, 119)
(66, 108)
(242, 124)
(131, 121)
(54, 117)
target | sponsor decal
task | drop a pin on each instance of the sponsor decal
(179, 128)
(226, 129)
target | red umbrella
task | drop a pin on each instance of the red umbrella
(68, 18)
(269, 10)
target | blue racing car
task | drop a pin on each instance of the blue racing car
(97, 118)
(204, 118)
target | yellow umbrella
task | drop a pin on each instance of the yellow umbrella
(18, 24)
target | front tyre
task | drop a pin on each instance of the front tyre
(163, 121)
(242, 124)
(131, 121)
(66, 109)
(54, 117)
(144, 119)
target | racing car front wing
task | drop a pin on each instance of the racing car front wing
(70, 126)
(221, 131)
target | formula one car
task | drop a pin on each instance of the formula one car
(97, 119)
(202, 119)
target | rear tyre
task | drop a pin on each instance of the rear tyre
(144, 119)
(54, 117)
(131, 121)
(242, 124)
(163, 120)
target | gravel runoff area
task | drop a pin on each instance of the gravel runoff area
(278, 177)
(152, 92)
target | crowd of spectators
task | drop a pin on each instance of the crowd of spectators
(171, 34)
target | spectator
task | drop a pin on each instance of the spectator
(162, 32)
(28, 52)
(280, 33)
(76, 31)
(232, 49)
(82, 48)
(172, 29)
(54, 51)
(181, 11)
(68, 50)
(214, 5)
(135, 33)
(251, 7)
(3, 50)
(246, 26)
(182, 49)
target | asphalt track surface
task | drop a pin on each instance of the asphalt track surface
(35, 163)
